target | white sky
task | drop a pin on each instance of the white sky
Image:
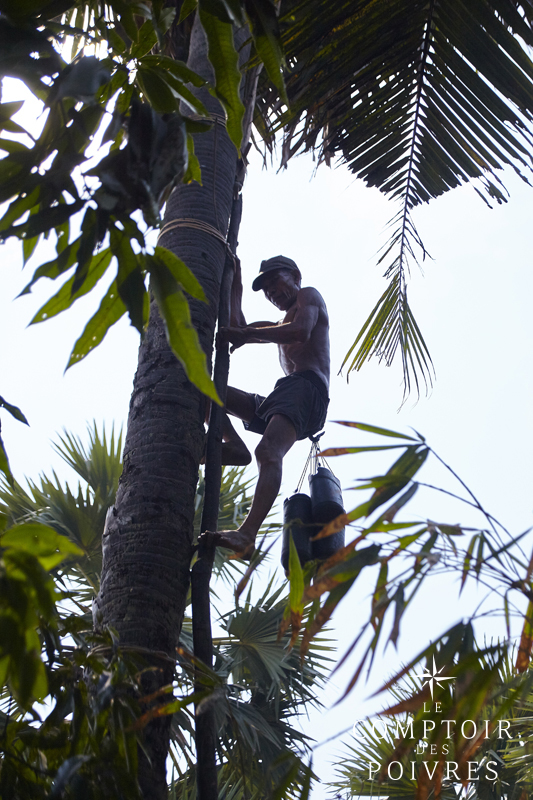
(472, 306)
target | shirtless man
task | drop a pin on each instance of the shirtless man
(297, 406)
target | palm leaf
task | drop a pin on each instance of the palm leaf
(416, 97)
(511, 754)
(261, 752)
(79, 513)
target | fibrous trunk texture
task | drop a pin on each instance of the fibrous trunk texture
(147, 543)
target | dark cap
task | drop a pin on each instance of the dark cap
(277, 262)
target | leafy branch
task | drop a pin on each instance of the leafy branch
(127, 99)
(406, 554)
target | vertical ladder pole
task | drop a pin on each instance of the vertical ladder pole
(206, 734)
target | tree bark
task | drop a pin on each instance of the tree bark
(147, 542)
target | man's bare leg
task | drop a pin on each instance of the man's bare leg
(234, 451)
(277, 440)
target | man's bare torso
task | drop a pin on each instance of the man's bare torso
(313, 354)
(302, 338)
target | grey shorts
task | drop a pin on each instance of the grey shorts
(301, 396)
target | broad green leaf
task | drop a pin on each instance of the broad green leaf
(118, 44)
(111, 310)
(130, 279)
(12, 127)
(4, 666)
(468, 559)
(41, 541)
(8, 110)
(380, 597)
(63, 236)
(157, 91)
(225, 61)
(409, 462)
(450, 530)
(399, 608)
(523, 657)
(197, 126)
(4, 464)
(146, 40)
(289, 776)
(64, 298)
(31, 679)
(185, 94)
(11, 146)
(88, 240)
(187, 8)
(398, 504)
(177, 68)
(296, 578)
(21, 11)
(28, 247)
(19, 207)
(342, 451)
(181, 272)
(194, 171)
(57, 266)
(127, 18)
(181, 333)
(266, 35)
(13, 410)
(373, 429)
(228, 11)
(45, 220)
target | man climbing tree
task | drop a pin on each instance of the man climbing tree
(297, 406)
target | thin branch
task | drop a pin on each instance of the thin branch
(463, 500)
(477, 504)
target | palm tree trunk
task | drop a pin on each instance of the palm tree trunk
(147, 543)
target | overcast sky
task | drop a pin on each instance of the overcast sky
(472, 305)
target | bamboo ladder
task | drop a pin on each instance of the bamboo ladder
(206, 734)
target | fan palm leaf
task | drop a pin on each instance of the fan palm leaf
(260, 750)
(511, 756)
(79, 513)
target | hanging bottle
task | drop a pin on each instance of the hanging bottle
(297, 521)
(326, 503)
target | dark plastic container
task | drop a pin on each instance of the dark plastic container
(326, 503)
(297, 519)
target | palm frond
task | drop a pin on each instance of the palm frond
(99, 464)
(363, 771)
(77, 513)
(262, 685)
(416, 97)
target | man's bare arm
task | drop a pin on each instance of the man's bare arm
(235, 335)
(298, 330)
(237, 318)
